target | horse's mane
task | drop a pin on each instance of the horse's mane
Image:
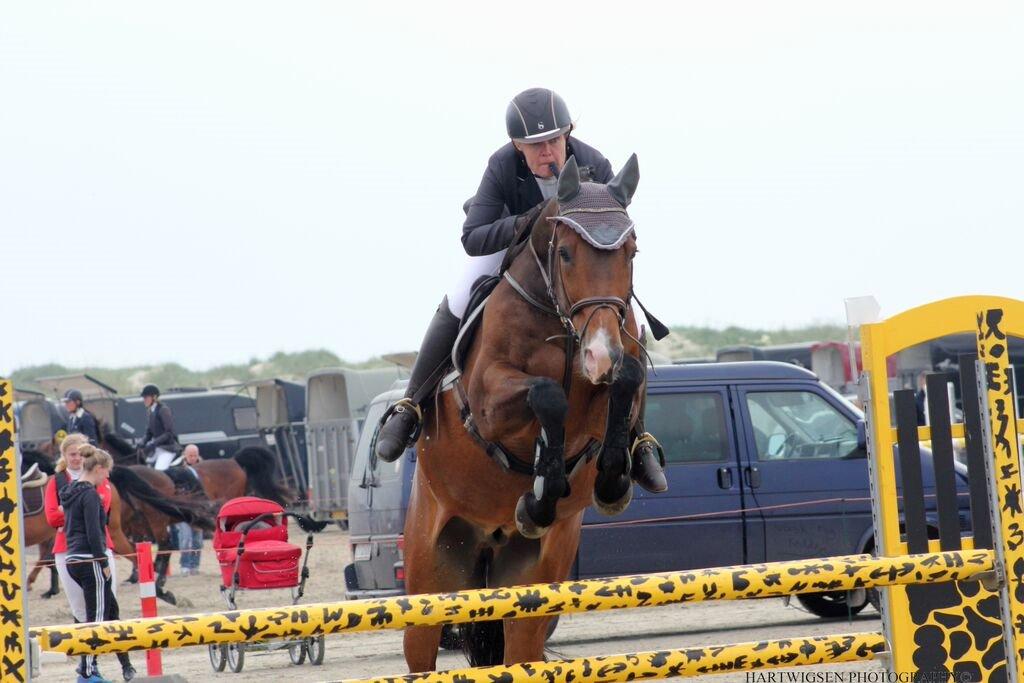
(31, 457)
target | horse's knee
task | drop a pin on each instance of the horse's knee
(547, 400)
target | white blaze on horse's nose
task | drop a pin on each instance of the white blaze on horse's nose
(597, 356)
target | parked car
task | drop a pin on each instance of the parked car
(765, 463)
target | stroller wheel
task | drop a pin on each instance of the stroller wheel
(297, 652)
(315, 647)
(218, 656)
(236, 657)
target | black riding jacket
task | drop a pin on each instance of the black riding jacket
(160, 429)
(85, 425)
(508, 189)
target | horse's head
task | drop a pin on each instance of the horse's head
(590, 247)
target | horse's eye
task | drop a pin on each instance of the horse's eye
(564, 254)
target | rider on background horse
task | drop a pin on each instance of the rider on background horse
(80, 420)
(519, 180)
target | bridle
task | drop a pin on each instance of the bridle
(551, 272)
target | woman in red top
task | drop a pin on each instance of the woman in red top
(69, 469)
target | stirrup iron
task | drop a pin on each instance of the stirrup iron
(647, 438)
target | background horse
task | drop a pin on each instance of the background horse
(252, 471)
(552, 375)
(151, 505)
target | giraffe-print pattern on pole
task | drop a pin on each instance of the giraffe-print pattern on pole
(647, 590)
(691, 661)
(13, 662)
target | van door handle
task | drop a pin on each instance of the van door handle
(724, 478)
(753, 477)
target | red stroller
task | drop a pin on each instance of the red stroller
(252, 547)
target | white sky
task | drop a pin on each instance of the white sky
(225, 180)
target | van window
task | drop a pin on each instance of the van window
(799, 424)
(364, 467)
(690, 427)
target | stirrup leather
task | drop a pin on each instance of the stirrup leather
(401, 406)
(641, 441)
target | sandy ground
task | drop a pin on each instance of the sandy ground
(367, 654)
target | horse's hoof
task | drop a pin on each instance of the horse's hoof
(615, 508)
(526, 525)
(168, 597)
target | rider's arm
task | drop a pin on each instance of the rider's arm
(488, 228)
(51, 506)
(168, 421)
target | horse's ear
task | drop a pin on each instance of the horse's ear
(568, 181)
(624, 184)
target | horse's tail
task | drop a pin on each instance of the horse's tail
(116, 443)
(483, 642)
(260, 467)
(131, 485)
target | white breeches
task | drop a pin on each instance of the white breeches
(473, 269)
(76, 599)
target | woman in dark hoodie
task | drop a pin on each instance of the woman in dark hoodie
(87, 563)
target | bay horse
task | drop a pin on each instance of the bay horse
(151, 505)
(252, 471)
(553, 375)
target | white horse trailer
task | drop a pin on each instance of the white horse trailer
(336, 403)
(280, 417)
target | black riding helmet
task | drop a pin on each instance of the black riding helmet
(150, 390)
(536, 115)
(73, 395)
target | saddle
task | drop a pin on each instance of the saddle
(33, 484)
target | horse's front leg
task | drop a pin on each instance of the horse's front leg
(535, 511)
(503, 415)
(613, 489)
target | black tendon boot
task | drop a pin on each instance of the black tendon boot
(400, 425)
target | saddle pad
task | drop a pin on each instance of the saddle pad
(32, 500)
(471, 321)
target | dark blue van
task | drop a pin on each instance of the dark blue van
(764, 462)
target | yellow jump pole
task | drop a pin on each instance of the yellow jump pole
(693, 661)
(648, 590)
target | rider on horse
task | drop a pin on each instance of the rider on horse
(519, 180)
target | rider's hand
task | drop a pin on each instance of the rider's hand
(106, 572)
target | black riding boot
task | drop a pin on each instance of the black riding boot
(400, 425)
(648, 464)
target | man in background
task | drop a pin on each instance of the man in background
(190, 539)
(160, 444)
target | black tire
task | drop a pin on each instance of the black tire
(236, 657)
(315, 648)
(297, 652)
(832, 605)
(218, 657)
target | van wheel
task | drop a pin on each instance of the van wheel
(835, 604)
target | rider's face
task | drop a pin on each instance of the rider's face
(540, 155)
